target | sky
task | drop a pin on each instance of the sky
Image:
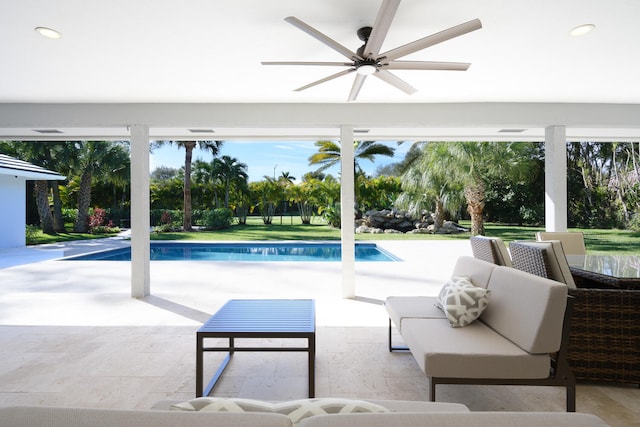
(267, 158)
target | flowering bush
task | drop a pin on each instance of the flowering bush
(96, 223)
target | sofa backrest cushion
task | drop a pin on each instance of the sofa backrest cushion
(526, 309)
(478, 271)
(42, 416)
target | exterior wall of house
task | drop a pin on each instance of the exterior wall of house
(12, 211)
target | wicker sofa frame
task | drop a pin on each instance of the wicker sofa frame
(604, 343)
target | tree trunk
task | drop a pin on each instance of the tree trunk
(42, 202)
(187, 218)
(475, 206)
(438, 215)
(84, 200)
(58, 220)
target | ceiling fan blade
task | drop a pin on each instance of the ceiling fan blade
(426, 65)
(326, 79)
(333, 64)
(321, 37)
(357, 85)
(431, 40)
(396, 81)
(381, 27)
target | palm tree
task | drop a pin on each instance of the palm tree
(214, 148)
(426, 186)
(95, 158)
(471, 165)
(231, 173)
(329, 153)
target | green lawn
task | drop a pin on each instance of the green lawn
(598, 241)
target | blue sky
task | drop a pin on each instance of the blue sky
(266, 157)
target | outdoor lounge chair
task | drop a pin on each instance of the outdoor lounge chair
(490, 249)
(572, 242)
(605, 323)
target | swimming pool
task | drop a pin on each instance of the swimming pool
(245, 251)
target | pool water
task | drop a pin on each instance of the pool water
(254, 251)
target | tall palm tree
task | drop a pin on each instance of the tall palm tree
(211, 146)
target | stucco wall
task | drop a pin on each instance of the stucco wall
(12, 211)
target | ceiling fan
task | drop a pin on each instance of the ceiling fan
(368, 60)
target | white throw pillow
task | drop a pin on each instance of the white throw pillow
(462, 302)
(296, 410)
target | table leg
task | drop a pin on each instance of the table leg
(199, 367)
(312, 365)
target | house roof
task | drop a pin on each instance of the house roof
(160, 54)
(19, 168)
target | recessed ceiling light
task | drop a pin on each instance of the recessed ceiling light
(49, 33)
(47, 130)
(201, 130)
(511, 130)
(581, 30)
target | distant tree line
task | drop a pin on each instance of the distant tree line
(480, 181)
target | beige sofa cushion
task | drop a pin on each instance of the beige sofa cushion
(527, 309)
(476, 270)
(476, 419)
(403, 307)
(42, 416)
(475, 351)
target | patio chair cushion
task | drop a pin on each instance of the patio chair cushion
(557, 260)
(296, 410)
(461, 301)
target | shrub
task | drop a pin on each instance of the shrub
(96, 223)
(218, 219)
(32, 232)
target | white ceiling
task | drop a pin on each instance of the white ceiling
(205, 51)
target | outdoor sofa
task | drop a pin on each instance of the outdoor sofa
(520, 338)
(396, 413)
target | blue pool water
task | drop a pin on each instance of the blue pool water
(254, 251)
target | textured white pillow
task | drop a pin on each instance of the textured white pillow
(462, 302)
(296, 410)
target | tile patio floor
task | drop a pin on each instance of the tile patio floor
(71, 335)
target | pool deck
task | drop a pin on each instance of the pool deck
(71, 335)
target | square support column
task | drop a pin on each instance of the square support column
(140, 211)
(347, 212)
(555, 181)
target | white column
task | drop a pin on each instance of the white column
(140, 269)
(555, 181)
(347, 215)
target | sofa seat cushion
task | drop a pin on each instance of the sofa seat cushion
(296, 410)
(476, 419)
(403, 307)
(475, 351)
